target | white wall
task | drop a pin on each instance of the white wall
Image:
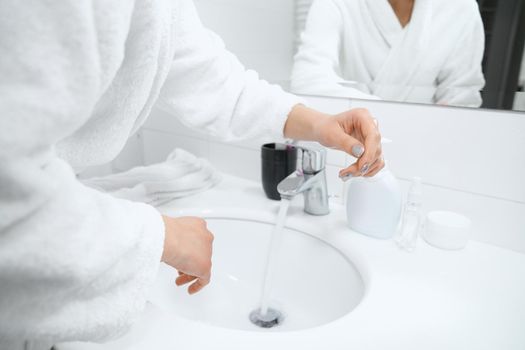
(239, 22)
(471, 161)
(302, 8)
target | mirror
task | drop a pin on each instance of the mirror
(467, 53)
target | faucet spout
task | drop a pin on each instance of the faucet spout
(295, 184)
(310, 180)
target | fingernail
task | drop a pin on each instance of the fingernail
(365, 169)
(358, 150)
(346, 177)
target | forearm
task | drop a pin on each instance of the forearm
(303, 123)
(210, 90)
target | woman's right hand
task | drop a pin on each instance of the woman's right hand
(188, 248)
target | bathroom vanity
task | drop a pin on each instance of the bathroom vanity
(337, 288)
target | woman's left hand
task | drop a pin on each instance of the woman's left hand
(354, 132)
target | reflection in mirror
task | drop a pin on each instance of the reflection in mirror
(449, 52)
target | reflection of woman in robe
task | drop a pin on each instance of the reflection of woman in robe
(427, 51)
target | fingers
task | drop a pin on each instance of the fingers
(376, 167)
(199, 284)
(352, 146)
(202, 278)
(353, 170)
(370, 161)
(189, 249)
(349, 172)
(372, 140)
(183, 279)
(344, 142)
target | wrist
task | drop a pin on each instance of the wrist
(304, 123)
(169, 240)
(318, 125)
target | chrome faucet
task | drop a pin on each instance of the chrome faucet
(309, 179)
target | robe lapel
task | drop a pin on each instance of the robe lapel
(393, 79)
(385, 21)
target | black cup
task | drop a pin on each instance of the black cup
(278, 161)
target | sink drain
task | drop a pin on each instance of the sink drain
(272, 318)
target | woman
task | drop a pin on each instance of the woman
(79, 77)
(426, 51)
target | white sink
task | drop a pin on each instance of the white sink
(429, 299)
(314, 284)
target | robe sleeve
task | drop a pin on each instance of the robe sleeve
(460, 81)
(209, 89)
(75, 264)
(317, 64)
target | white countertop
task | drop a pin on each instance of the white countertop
(428, 299)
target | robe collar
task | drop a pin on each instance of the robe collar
(407, 45)
(388, 24)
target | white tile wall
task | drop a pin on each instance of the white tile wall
(478, 151)
(243, 162)
(239, 23)
(159, 144)
(495, 221)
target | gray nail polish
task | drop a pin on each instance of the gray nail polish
(358, 150)
(346, 177)
(365, 169)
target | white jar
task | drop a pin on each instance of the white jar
(373, 205)
(447, 230)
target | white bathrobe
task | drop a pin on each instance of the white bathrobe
(77, 78)
(358, 48)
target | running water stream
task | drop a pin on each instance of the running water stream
(265, 316)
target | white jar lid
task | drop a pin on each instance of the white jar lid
(447, 230)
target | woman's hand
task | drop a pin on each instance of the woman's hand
(188, 248)
(354, 132)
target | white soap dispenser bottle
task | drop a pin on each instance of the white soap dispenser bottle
(373, 205)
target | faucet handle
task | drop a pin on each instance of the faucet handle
(313, 159)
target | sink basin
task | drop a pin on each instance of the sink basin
(314, 284)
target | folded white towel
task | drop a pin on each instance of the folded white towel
(181, 175)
